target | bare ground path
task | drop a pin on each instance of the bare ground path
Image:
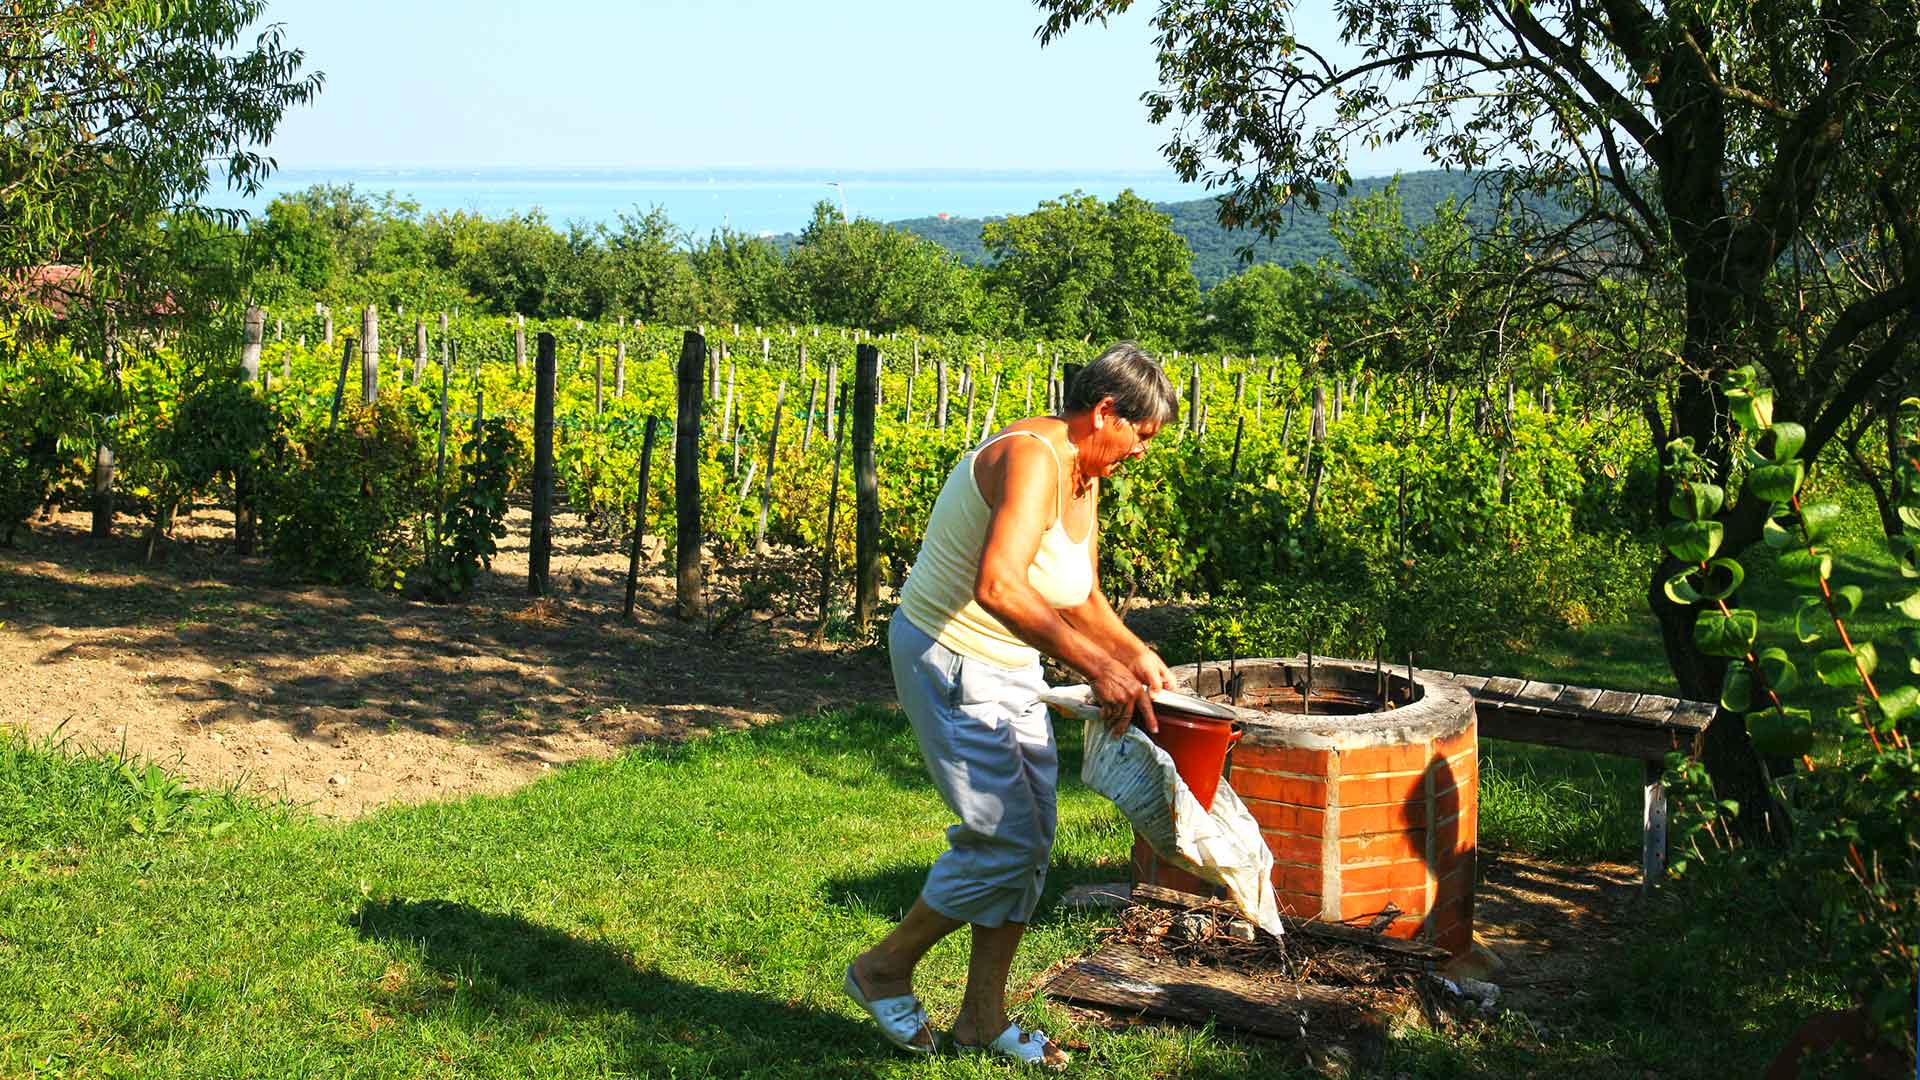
(346, 699)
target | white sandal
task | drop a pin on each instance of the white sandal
(1025, 1047)
(900, 1018)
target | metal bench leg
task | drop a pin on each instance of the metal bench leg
(1653, 826)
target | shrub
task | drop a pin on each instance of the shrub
(342, 507)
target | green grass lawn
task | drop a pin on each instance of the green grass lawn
(675, 912)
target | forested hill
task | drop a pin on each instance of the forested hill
(1304, 240)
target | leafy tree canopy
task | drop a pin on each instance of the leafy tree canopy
(1081, 268)
(112, 111)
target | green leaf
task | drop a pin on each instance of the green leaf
(1838, 667)
(1778, 670)
(1846, 600)
(1910, 516)
(1899, 703)
(1735, 575)
(1778, 536)
(1803, 567)
(1737, 693)
(1752, 409)
(1694, 501)
(1818, 520)
(1810, 620)
(1731, 634)
(1693, 541)
(1787, 440)
(1776, 483)
(1787, 733)
(1906, 554)
(1909, 607)
(1679, 591)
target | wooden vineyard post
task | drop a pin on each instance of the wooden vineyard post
(766, 478)
(833, 394)
(833, 522)
(940, 398)
(813, 395)
(244, 519)
(973, 386)
(540, 547)
(370, 355)
(640, 515)
(250, 348)
(726, 417)
(866, 480)
(907, 419)
(599, 386)
(620, 360)
(1053, 372)
(340, 387)
(519, 344)
(686, 478)
(1028, 409)
(446, 377)
(1316, 436)
(1239, 432)
(419, 348)
(327, 326)
(1194, 403)
(1286, 426)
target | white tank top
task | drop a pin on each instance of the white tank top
(938, 595)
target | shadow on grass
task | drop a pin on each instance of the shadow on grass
(508, 964)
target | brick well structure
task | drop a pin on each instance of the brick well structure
(1371, 813)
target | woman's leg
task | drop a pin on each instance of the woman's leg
(886, 969)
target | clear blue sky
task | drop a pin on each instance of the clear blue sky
(748, 83)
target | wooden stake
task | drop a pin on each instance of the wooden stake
(686, 477)
(640, 516)
(766, 481)
(540, 546)
(866, 375)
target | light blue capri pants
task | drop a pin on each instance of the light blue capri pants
(989, 747)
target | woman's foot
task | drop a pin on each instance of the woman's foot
(888, 997)
(1026, 1047)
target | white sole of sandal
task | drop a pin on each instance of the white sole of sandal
(899, 1018)
(1025, 1047)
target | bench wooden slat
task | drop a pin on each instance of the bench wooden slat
(1499, 690)
(1548, 729)
(1655, 709)
(1576, 699)
(1615, 703)
(1693, 715)
(1538, 695)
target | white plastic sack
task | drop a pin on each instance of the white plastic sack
(1223, 846)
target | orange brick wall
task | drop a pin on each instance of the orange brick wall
(1354, 830)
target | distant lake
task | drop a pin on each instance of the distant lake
(751, 201)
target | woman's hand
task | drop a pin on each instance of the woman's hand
(1150, 669)
(1122, 697)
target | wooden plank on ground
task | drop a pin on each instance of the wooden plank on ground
(1161, 896)
(1119, 977)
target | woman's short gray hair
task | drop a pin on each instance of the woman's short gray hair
(1140, 390)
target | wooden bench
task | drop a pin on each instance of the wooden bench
(1643, 726)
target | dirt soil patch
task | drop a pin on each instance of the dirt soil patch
(345, 700)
